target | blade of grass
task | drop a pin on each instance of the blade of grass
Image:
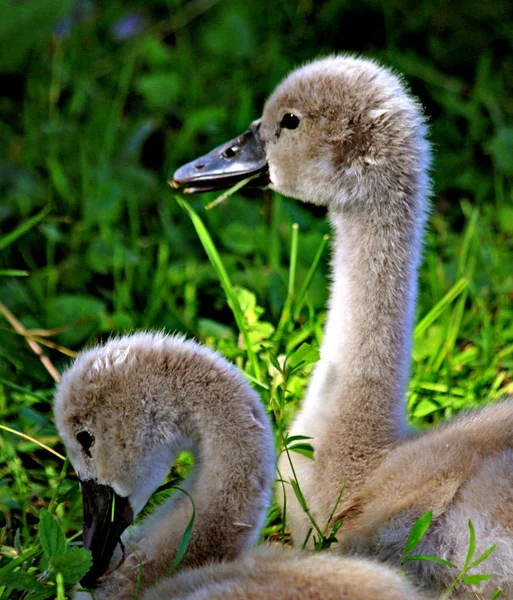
(11, 237)
(116, 112)
(285, 317)
(293, 481)
(20, 478)
(36, 348)
(217, 263)
(19, 388)
(186, 537)
(62, 476)
(453, 330)
(31, 439)
(309, 277)
(274, 256)
(293, 260)
(54, 346)
(21, 559)
(13, 273)
(466, 267)
(335, 506)
(260, 384)
(465, 259)
(440, 306)
(229, 192)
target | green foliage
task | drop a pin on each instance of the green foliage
(474, 579)
(51, 536)
(186, 536)
(417, 533)
(25, 226)
(62, 563)
(231, 296)
(22, 582)
(72, 565)
(92, 242)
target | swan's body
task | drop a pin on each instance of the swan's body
(270, 573)
(124, 410)
(343, 133)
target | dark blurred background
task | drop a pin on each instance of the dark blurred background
(101, 101)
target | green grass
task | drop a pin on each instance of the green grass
(92, 240)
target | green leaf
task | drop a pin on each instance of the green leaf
(440, 306)
(73, 565)
(28, 555)
(222, 274)
(295, 438)
(305, 354)
(471, 545)
(299, 494)
(301, 297)
(425, 407)
(338, 524)
(483, 556)
(417, 532)
(27, 225)
(310, 531)
(304, 449)
(435, 559)
(226, 194)
(274, 361)
(326, 542)
(497, 594)
(17, 542)
(21, 581)
(51, 535)
(12, 272)
(336, 527)
(186, 537)
(476, 579)
(44, 594)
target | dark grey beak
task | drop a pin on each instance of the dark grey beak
(106, 516)
(226, 165)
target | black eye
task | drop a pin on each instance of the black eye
(289, 121)
(86, 440)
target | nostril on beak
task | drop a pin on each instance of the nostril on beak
(231, 152)
(199, 167)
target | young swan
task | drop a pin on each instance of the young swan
(344, 133)
(124, 410)
(268, 573)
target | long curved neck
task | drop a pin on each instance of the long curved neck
(360, 381)
(231, 487)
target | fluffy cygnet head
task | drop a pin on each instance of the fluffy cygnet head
(112, 411)
(126, 409)
(331, 127)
